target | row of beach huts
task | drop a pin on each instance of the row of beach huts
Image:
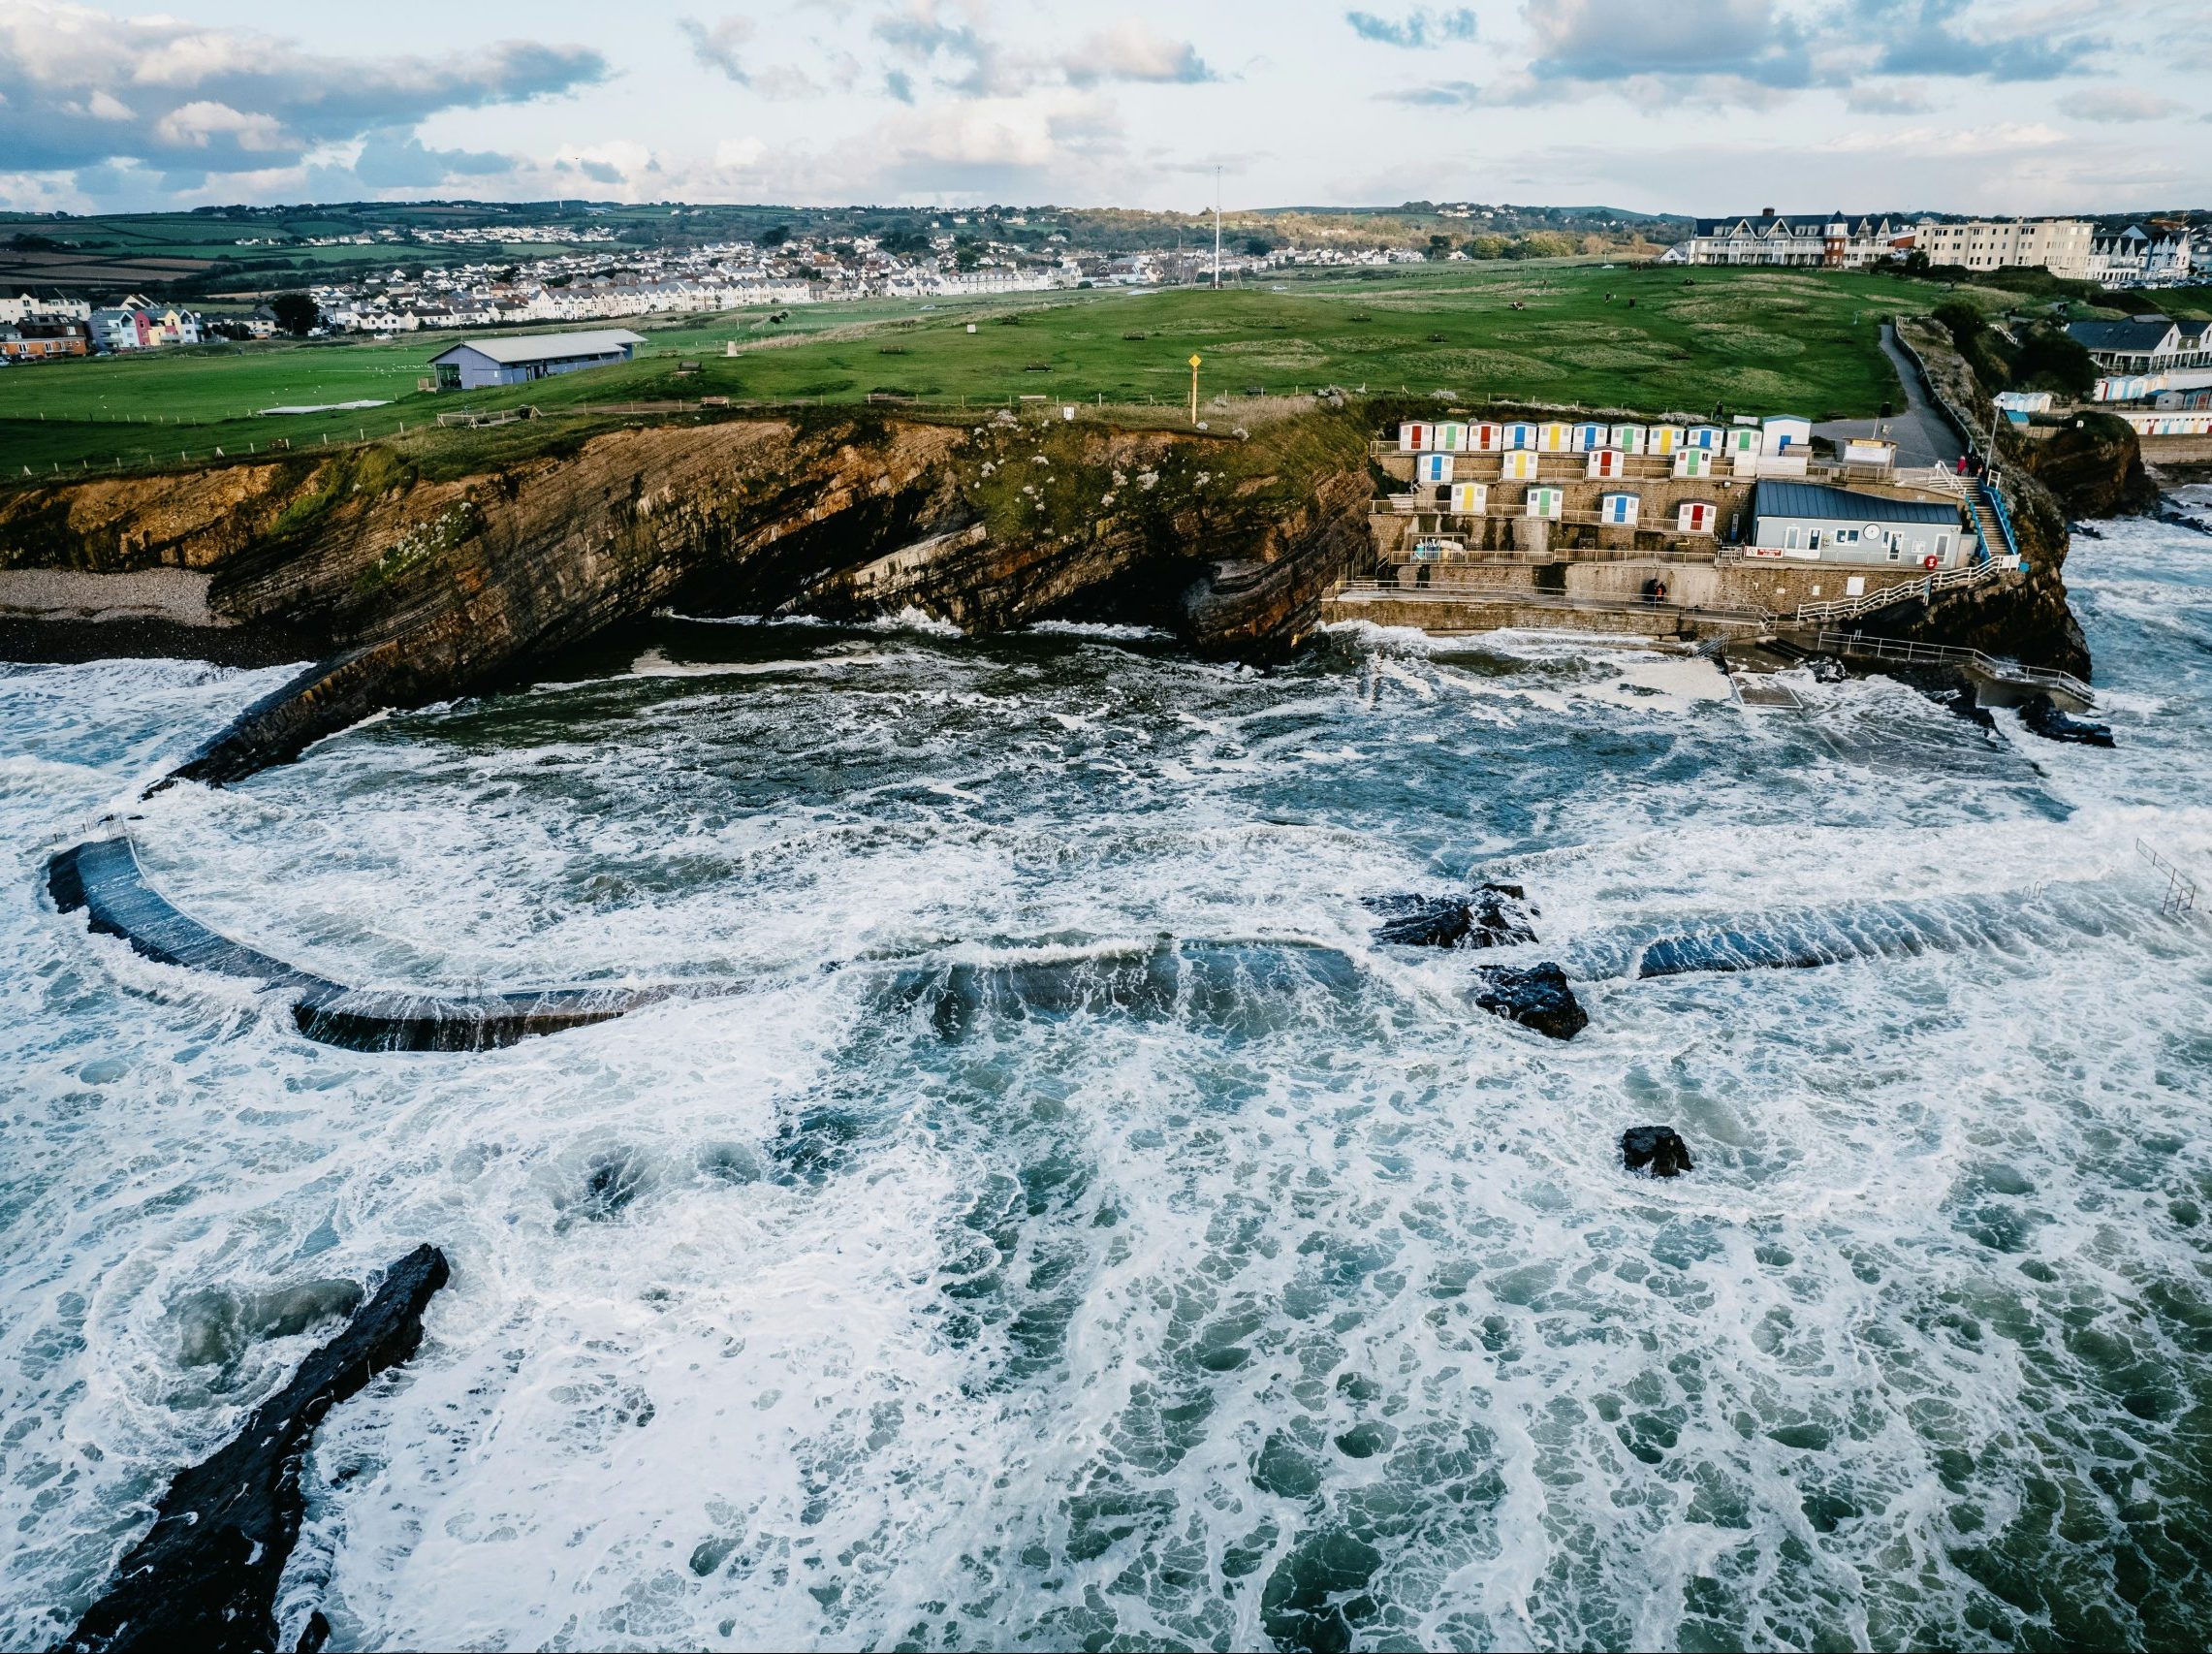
(1549, 502)
(1776, 435)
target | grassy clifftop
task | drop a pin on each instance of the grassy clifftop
(1644, 338)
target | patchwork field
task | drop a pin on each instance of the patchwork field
(1644, 338)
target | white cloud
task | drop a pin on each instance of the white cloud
(2111, 104)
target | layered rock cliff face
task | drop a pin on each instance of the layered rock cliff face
(2095, 468)
(415, 588)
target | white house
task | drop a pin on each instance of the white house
(1830, 525)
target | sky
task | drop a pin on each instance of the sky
(1702, 107)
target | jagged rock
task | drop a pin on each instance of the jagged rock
(2042, 715)
(1495, 916)
(1536, 997)
(1655, 1150)
(2095, 467)
(206, 1576)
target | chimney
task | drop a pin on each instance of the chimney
(1766, 212)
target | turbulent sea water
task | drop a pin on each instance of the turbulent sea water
(1299, 1303)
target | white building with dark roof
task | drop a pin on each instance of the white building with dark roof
(475, 364)
(1830, 525)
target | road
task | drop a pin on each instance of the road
(1922, 434)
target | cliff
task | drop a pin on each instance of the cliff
(2095, 468)
(2027, 617)
(413, 585)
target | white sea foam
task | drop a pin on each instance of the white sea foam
(800, 1318)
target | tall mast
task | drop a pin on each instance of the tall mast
(1217, 227)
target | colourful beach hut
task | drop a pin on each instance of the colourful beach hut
(1663, 440)
(1695, 517)
(1518, 464)
(1785, 433)
(1743, 439)
(1451, 436)
(1485, 437)
(1546, 502)
(1520, 434)
(1618, 508)
(1629, 438)
(1589, 436)
(1555, 436)
(1606, 463)
(1433, 468)
(1414, 436)
(1705, 437)
(1692, 462)
(1470, 500)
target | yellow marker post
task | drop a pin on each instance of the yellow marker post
(1194, 386)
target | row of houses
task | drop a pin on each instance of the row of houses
(34, 328)
(1776, 435)
(2069, 247)
(2146, 357)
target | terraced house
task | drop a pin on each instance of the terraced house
(1818, 241)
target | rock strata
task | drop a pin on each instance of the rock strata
(1536, 997)
(1655, 1150)
(205, 1577)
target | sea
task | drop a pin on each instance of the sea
(1054, 1221)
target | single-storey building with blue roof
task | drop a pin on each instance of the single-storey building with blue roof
(1819, 523)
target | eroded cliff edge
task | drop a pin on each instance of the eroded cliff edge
(411, 582)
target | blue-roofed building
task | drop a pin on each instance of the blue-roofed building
(519, 359)
(1816, 522)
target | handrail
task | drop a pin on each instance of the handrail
(1476, 595)
(2180, 889)
(1912, 652)
(1866, 603)
(1996, 499)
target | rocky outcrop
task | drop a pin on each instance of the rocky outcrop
(1536, 997)
(2094, 467)
(1656, 1151)
(2044, 719)
(1495, 916)
(413, 585)
(206, 1576)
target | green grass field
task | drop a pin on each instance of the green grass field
(1756, 340)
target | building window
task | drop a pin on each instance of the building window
(1789, 540)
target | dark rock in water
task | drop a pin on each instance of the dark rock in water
(205, 1577)
(1948, 688)
(1495, 916)
(2042, 715)
(1536, 997)
(1655, 1150)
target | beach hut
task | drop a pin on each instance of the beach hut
(1554, 437)
(1619, 508)
(1518, 464)
(1705, 437)
(1520, 434)
(1451, 438)
(1663, 440)
(1785, 433)
(1433, 468)
(1740, 439)
(1695, 517)
(1629, 438)
(1605, 462)
(1692, 462)
(1469, 500)
(1414, 436)
(1589, 436)
(1485, 437)
(1546, 502)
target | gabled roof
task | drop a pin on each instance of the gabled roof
(547, 347)
(2135, 334)
(1844, 505)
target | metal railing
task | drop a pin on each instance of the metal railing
(2180, 889)
(1486, 596)
(1903, 590)
(1906, 652)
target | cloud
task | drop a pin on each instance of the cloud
(1925, 37)
(899, 84)
(1746, 42)
(1438, 94)
(716, 46)
(79, 87)
(2115, 104)
(1418, 29)
(1131, 51)
(396, 159)
(922, 35)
